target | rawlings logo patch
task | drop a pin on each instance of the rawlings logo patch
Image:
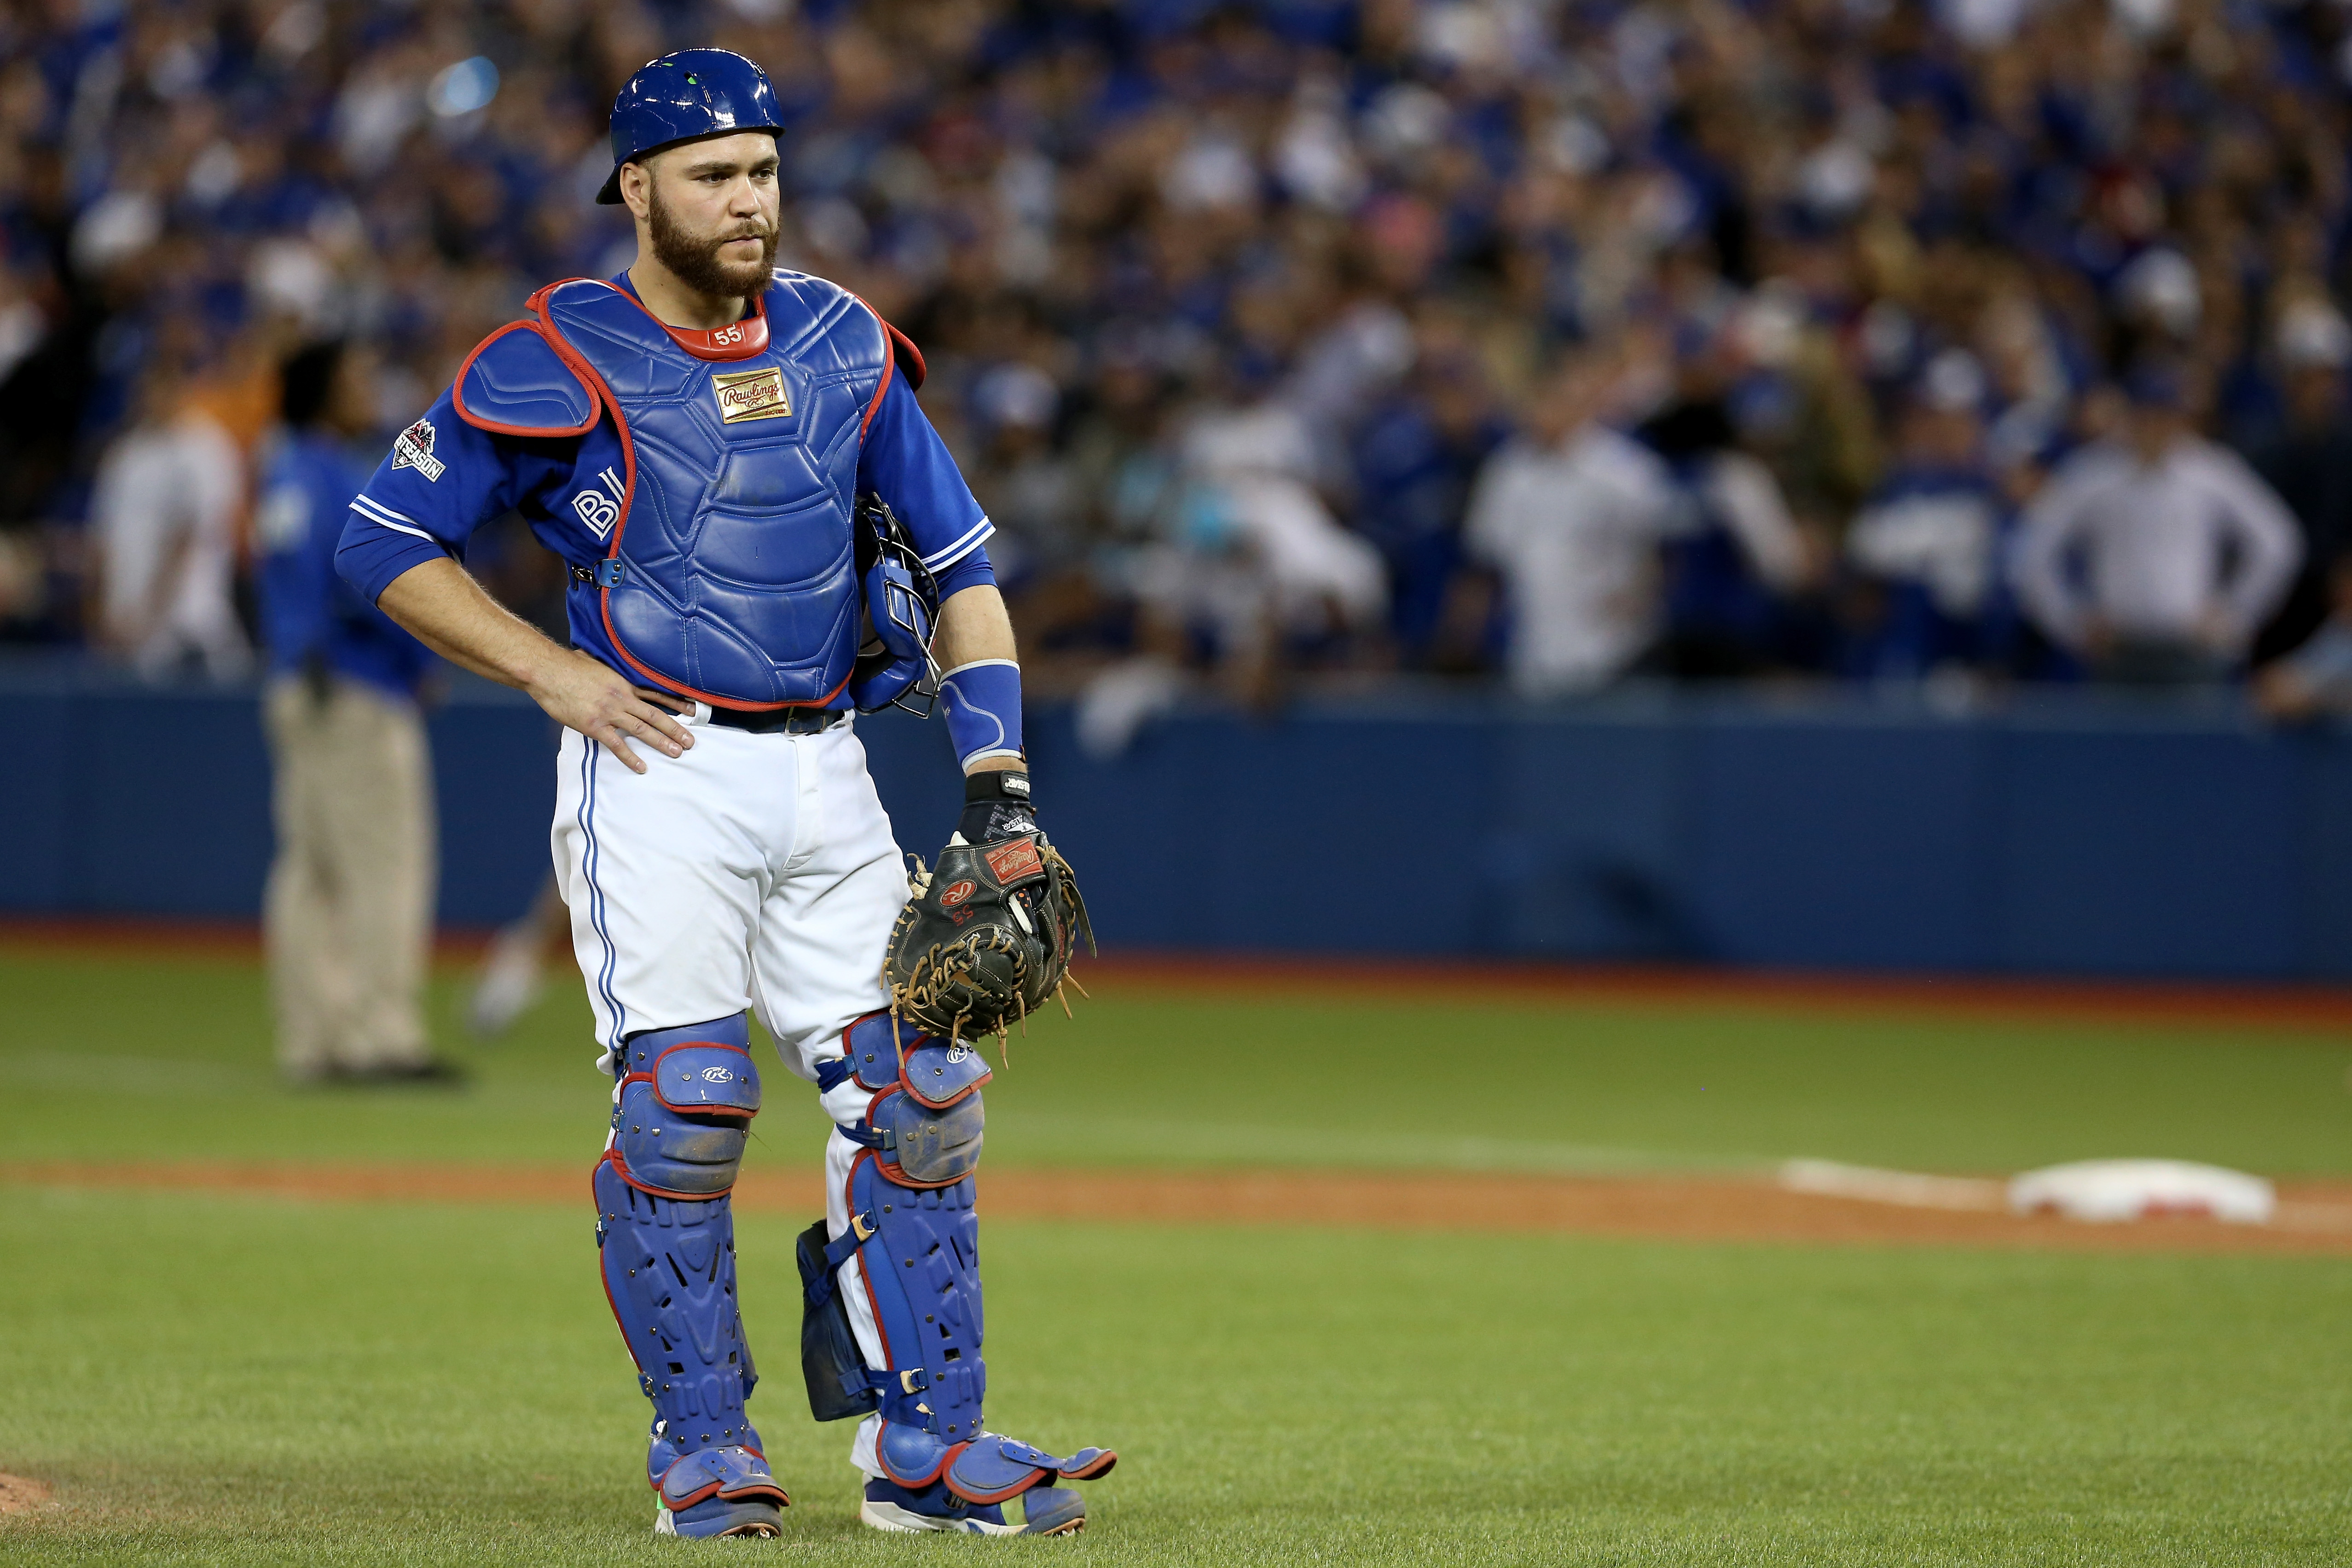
(717, 1076)
(414, 449)
(957, 892)
(1013, 860)
(751, 394)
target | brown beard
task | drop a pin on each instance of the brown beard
(694, 261)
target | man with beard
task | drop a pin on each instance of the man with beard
(732, 463)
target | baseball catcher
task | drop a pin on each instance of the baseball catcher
(766, 538)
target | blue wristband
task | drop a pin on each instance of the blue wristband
(982, 703)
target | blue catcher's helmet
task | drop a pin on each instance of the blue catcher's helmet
(683, 97)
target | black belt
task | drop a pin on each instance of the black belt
(786, 720)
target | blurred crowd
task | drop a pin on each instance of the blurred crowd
(1302, 340)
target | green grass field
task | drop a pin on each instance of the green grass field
(207, 1378)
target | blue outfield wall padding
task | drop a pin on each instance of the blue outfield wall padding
(494, 790)
(1859, 838)
(37, 801)
(2322, 763)
(170, 804)
(1590, 851)
(2148, 852)
(2063, 833)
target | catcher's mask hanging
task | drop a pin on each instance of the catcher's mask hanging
(895, 667)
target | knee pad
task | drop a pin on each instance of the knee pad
(684, 1107)
(925, 1121)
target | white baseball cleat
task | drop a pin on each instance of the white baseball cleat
(1044, 1510)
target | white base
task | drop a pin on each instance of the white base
(2108, 1191)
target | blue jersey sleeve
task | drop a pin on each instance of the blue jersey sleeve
(905, 462)
(442, 480)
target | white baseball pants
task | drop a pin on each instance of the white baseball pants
(755, 870)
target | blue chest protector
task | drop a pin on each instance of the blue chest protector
(731, 574)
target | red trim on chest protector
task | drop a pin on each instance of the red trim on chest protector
(893, 340)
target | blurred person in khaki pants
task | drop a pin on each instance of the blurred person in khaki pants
(350, 905)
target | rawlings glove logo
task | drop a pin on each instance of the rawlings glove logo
(1015, 860)
(957, 892)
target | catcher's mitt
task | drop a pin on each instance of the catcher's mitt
(987, 937)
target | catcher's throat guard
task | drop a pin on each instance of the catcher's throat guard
(895, 667)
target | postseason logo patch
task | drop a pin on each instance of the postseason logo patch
(751, 394)
(414, 449)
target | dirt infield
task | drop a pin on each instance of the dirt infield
(1972, 996)
(1465, 981)
(2313, 1218)
(19, 1494)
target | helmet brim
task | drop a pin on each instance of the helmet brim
(610, 195)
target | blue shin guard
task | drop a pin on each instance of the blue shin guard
(916, 1238)
(666, 1235)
